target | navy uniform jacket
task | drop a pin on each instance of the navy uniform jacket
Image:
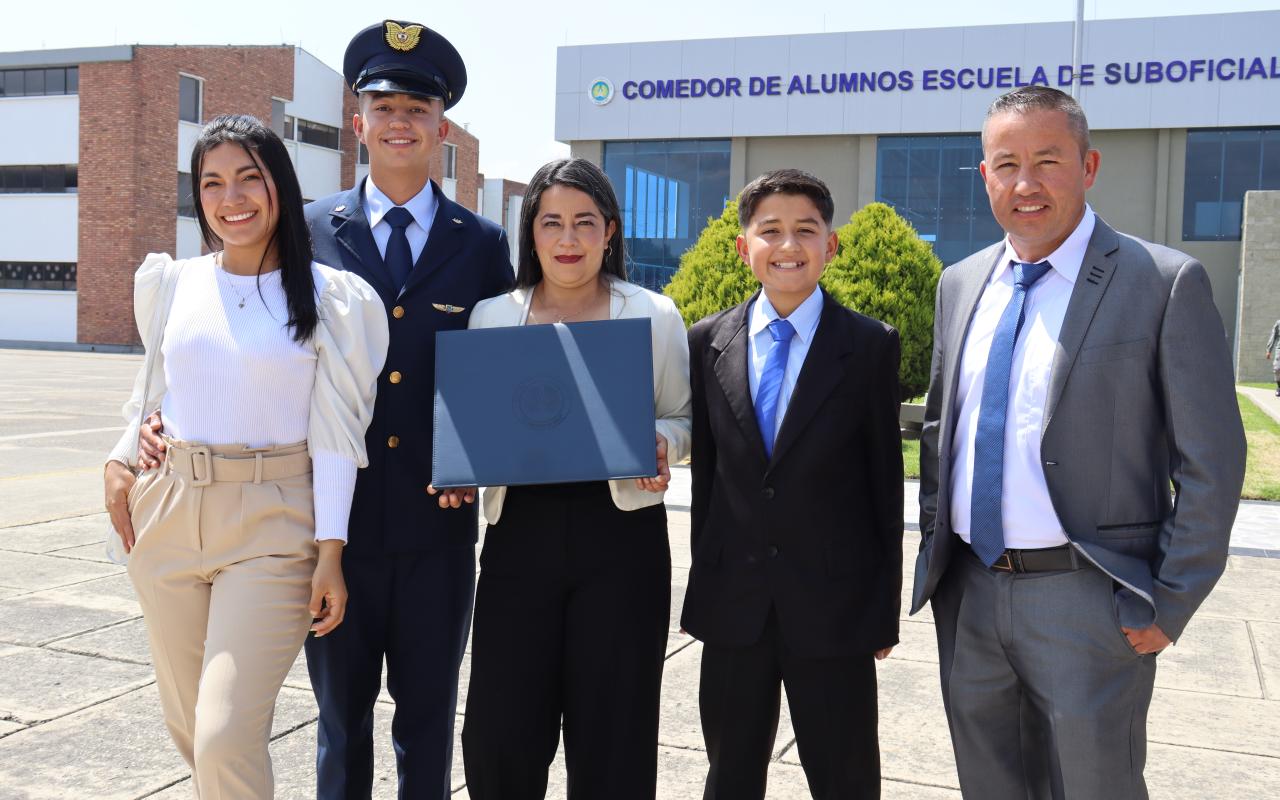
(465, 261)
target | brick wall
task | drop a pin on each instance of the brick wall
(468, 166)
(350, 142)
(128, 162)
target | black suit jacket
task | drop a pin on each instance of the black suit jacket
(465, 261)
(816, 531)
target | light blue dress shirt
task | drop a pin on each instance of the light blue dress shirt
(805, 320)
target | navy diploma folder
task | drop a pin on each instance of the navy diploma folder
(544, 404)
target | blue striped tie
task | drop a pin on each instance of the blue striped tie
(399, 257)
(986, 521)
(770, 389)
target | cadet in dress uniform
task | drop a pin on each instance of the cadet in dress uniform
(409, 564)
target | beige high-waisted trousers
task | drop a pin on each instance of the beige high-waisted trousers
(222, 567)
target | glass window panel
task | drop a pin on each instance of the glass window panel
(288, 129)
(933, 183)
(33, 178)
(13, 83)
(1241, 164)
(73, 80)
(317, 134)
(188, 99)
(55, 81)
(362, 156)
(186, 202)
(33, 81)
(73, 178)
(667, 190)
(1271, 159)
(1202, 186)
(55, 176)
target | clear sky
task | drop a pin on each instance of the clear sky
(509, 45)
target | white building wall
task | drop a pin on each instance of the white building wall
(513, 225)
(40, 130)
(39, 227)
(362, 172)
(1241, 40)
(491, 208)
(28, 315)
(317, 92)
(319, 170)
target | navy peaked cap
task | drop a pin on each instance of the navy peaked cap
(406, 58)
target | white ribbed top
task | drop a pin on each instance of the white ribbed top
(236, 376)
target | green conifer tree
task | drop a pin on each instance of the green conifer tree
(711, 276)
(885, 270)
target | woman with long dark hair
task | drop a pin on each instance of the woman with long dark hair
(264, 365)
(573, 600)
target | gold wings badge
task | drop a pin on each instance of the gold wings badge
(404, 37)
(448, 309)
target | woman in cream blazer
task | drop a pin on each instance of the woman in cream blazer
(573, 600)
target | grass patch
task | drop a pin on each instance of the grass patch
(1262, 468)
(911, 458)
(1268, 386)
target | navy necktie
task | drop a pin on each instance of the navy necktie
(986, 521)
(769, 392)
(399, 257)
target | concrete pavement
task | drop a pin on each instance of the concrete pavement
(79, 716)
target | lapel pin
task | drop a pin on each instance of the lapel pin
(457, 221)
(339, 208)
(448, 309)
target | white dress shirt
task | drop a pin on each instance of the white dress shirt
(1029, 517)
(422, 206)
(805, 320)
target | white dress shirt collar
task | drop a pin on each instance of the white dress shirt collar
(804, 319)
(1066, 260)
(422, 205)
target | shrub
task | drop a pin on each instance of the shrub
(885, 270)
(711, 277)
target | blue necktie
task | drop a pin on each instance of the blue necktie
(399, 257)
(986, 522)
(770, 389)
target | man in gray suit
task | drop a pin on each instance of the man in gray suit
(1077, 374)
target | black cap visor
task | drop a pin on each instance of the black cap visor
(401, 81)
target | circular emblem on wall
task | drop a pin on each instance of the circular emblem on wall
(540, 403)
(601, 91)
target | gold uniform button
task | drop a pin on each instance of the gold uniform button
(393, 441)
(397, 312)
(395, 377)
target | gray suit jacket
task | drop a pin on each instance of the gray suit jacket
(1141, 396)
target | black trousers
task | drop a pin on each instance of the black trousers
(571, 621)
(833, 711)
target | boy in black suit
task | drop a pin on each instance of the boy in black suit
(797, 507)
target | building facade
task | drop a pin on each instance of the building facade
(95, 151)
(1185, 111)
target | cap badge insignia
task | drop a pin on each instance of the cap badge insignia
(403, 38)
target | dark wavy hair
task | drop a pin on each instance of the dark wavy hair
(584, 176)
(291, 237)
